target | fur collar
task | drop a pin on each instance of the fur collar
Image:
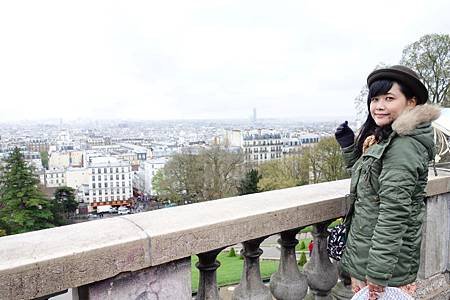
(411, 118)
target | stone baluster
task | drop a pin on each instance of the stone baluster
(251, 285)
(207, 265)
(288, 282)
(321, 273)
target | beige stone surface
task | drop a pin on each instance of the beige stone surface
(438, 185)
(167, 281)
(42, 262)
(186, 230)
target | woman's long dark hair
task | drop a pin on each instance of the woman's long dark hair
(378, 88)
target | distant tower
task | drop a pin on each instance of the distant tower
(254, 115)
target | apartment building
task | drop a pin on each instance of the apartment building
(257, 145)
(147, 171)
(65, 159)
(55, 177)
(294, 144)
(110, 181)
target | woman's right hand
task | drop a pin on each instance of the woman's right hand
(344, 135)
(357, 285)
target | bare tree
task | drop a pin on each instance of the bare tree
(430, 57)
(194, 177)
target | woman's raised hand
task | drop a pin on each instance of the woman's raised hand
(344, 135)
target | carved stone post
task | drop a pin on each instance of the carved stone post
(321, 273)
(171, 280)
(288, 283)
(251, 285)
(207, 265)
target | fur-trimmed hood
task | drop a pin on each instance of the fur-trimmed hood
(410, 119)
(416, 123)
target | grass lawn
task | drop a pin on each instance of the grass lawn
(230, 270)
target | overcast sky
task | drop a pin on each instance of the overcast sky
(199, 59)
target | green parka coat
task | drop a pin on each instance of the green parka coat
(388, 186)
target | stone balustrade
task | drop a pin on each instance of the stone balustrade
(147, 255)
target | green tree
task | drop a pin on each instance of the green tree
(44, 159)
(249, 184)
(22, 205)
(232, 252)
(302, 245)
(65, 204)
(326, 161)
(430, 57)
(210, 174)
(332, 166)
(284, 173)
(222, 170)
(275, 176)
(302, 261)
(165, 186)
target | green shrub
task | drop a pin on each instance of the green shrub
(231, 253)
(302, 261)
(302, 245)
(306, 229)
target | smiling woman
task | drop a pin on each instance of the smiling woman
(385, 108)
(389, 162)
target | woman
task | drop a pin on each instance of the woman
(389, 162)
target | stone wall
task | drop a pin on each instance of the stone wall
(132, 256)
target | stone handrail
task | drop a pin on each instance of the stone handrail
(44, 262)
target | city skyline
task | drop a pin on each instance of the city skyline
(204, 60)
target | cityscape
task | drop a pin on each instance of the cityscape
(110, 164)
(229, 150)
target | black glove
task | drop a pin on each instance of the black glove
(344, 135)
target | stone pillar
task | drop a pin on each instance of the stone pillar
(288, 283)
(321, 273)
(435, 250)
(207, 265)
(251, 285)
(433, 278)
(168, 281)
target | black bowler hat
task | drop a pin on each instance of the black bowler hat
(403, 75)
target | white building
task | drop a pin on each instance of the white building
(55, 177)
(147, 171)
(294, 144)
(257, 145)
(65, 159)
(110, 181)
(76, 177)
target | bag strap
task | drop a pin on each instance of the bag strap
(349, 206)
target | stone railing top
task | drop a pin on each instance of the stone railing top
(43, 262)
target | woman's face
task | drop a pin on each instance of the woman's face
(384, 109)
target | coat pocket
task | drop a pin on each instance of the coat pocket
(363, 225)
(369, 180)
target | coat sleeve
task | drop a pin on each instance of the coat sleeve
(398, 178)
(349, 156)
